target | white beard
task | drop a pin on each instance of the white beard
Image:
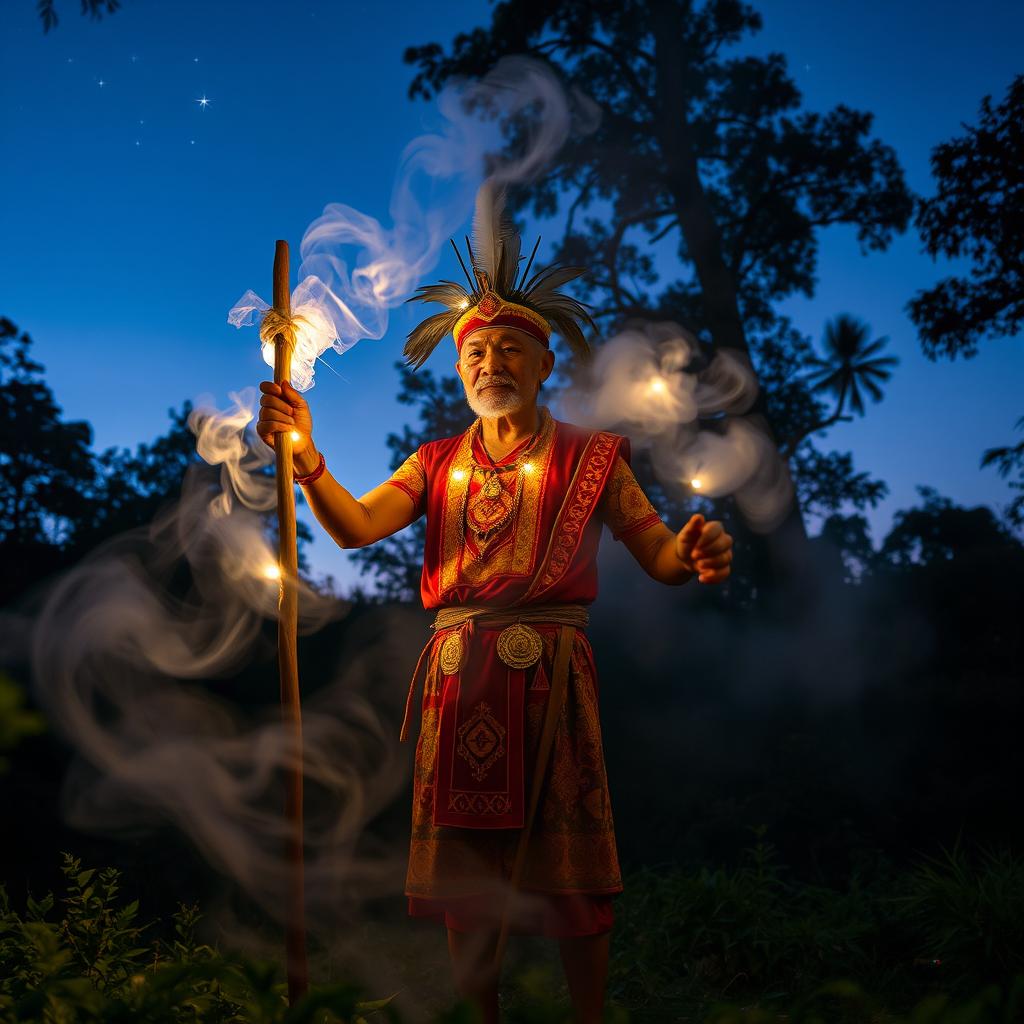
(492, 402)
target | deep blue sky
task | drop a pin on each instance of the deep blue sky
(132, 218)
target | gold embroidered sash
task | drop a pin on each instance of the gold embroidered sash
(466, 616)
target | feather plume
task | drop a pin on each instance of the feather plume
(450, 293)
(493, 231)
(547, 280)
(425, 338)
(494, 258)
(565, 313)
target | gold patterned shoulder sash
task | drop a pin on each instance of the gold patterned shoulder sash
(581, 500)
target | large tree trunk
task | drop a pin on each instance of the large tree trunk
(780, 556)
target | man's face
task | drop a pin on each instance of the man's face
(502, 369)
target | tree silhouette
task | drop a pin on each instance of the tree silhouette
(978, 212)
(850, 364)
(703, 151)
(46, 466)
(58, 498)
(940, 531)
(94, 8)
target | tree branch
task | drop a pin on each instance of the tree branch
(792, 442)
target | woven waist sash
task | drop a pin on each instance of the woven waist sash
(518, 644)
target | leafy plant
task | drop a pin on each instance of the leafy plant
(93, 964)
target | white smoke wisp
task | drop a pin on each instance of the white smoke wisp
(354, 270)
(653, 383)
(118, 651)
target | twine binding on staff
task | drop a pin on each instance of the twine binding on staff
(274, 322)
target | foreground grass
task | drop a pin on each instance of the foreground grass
(942, 943)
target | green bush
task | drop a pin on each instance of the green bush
(94, 965)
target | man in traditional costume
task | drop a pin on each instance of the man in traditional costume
(511, 821)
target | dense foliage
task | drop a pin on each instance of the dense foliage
(941, 942)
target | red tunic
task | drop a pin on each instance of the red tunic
(522, 533)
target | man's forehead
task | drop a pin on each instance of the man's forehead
(496, 334)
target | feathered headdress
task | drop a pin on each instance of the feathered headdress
(497, 296)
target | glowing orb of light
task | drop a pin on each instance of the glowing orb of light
(295, 435)
(272, 571)
(657, 386)
(458, 474)
(695, 483)
(527, 467)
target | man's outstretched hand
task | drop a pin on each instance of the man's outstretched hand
(705, 548)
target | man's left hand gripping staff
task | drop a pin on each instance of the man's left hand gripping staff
(705, 548)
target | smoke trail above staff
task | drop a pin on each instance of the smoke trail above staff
(354, 270)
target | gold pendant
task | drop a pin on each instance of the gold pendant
(451, 654)
(492, 486)
(519, 646)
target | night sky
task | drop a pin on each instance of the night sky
(135, 215)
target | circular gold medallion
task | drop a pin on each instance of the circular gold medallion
(519, 646)
(451, 654)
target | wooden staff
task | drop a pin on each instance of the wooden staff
(287, 650)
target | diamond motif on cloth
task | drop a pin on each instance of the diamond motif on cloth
(481, 740)
(479, 803)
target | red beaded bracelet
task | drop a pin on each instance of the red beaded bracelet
(315, 475)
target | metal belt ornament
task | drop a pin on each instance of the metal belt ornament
(452, 654)
(519, 646)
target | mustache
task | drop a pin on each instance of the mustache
(496, 379)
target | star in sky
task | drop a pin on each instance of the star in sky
(204, 102)
(101, 83)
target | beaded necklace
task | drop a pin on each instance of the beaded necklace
(492, 507)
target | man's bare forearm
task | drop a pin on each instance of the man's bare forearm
(665, 567)
(341, 514)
